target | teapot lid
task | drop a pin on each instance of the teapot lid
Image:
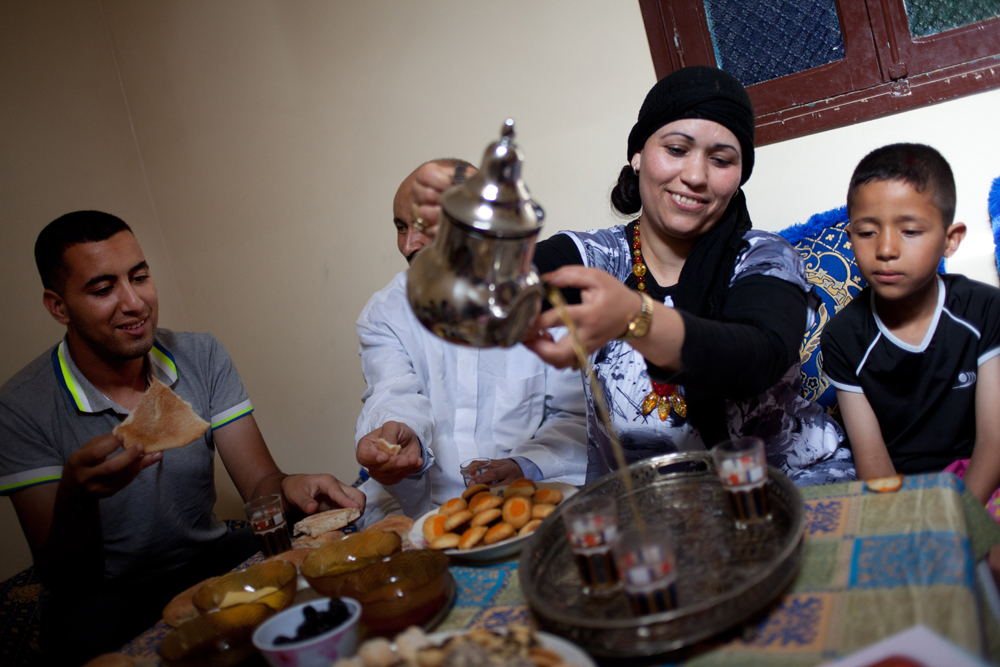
(496, 201)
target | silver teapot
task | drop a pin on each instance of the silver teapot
(475, 284)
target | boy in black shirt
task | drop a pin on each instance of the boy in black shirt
(915, 357)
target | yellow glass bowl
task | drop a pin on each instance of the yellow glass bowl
(330, 563)
(404, 589)
(276, 574)
(217, 639)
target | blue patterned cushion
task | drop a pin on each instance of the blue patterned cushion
(830, 268)
(18, 622)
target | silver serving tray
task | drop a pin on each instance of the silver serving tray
(725, 575)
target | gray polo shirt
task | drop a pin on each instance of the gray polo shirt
(158, 522)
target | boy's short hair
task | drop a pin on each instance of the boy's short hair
(66, 231)
(919, 165)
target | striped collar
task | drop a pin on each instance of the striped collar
(86, 397)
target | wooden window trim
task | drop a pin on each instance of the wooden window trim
(883, 71)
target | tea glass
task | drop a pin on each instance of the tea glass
(268, 523)
(742, 468)
(591, 527)
(647, 569)
(473, 467)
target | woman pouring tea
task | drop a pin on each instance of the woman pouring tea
(692, 319)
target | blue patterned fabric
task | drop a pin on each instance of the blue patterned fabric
(823, 518)
(18, 624)
(794, 623)
(917, 559)
(993, 205)
(830, 267)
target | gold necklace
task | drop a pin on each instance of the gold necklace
(664, 396)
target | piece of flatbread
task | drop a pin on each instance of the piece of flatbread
(309, 542)
(162, 420)
(324, 522)
(389, 449)
(394, 523)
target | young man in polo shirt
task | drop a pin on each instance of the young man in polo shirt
(115, 534)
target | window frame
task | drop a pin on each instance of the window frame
(884, 69)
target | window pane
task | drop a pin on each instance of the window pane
(760, 40)
(929, 17)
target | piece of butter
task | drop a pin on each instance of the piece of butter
(245, 597)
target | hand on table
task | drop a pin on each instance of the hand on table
(386, 469)
(606, 308)
(320, 492)
(499, 472)
(92, 471)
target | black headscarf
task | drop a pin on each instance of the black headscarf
(711, 94)
(697, 92)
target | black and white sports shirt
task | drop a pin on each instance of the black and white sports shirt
(923, 395)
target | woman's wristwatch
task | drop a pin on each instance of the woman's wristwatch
(638, 326)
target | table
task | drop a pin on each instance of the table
(874, 564)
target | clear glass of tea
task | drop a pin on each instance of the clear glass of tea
(591, 528)
(473, 467)
(647, 569)
(742, 467)
(268, 523)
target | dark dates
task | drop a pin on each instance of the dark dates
(317, 622)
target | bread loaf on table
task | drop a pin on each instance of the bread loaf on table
(324, 522)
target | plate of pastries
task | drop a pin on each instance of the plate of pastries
(505, 646)
(486, 523)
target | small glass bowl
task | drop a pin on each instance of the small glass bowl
(404, 589)
(327, 565)
(217, 639)
(276, 574)
(318, 651)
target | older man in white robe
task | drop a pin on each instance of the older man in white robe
(444, 404)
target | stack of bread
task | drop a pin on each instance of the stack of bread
(317, 529)
(481, 517)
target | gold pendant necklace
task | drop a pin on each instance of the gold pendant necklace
(664, 396)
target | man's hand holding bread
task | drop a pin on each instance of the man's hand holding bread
(93, 472)
(374, 453)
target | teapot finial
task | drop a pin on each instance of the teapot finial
(496, 201)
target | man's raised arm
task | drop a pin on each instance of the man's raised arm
(248, 462)
(62, 520)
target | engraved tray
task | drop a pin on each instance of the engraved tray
(724, 574)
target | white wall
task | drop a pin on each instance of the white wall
(256, 146)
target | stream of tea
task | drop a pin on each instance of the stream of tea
(559, 303)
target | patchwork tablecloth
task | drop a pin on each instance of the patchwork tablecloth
(874, 564)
